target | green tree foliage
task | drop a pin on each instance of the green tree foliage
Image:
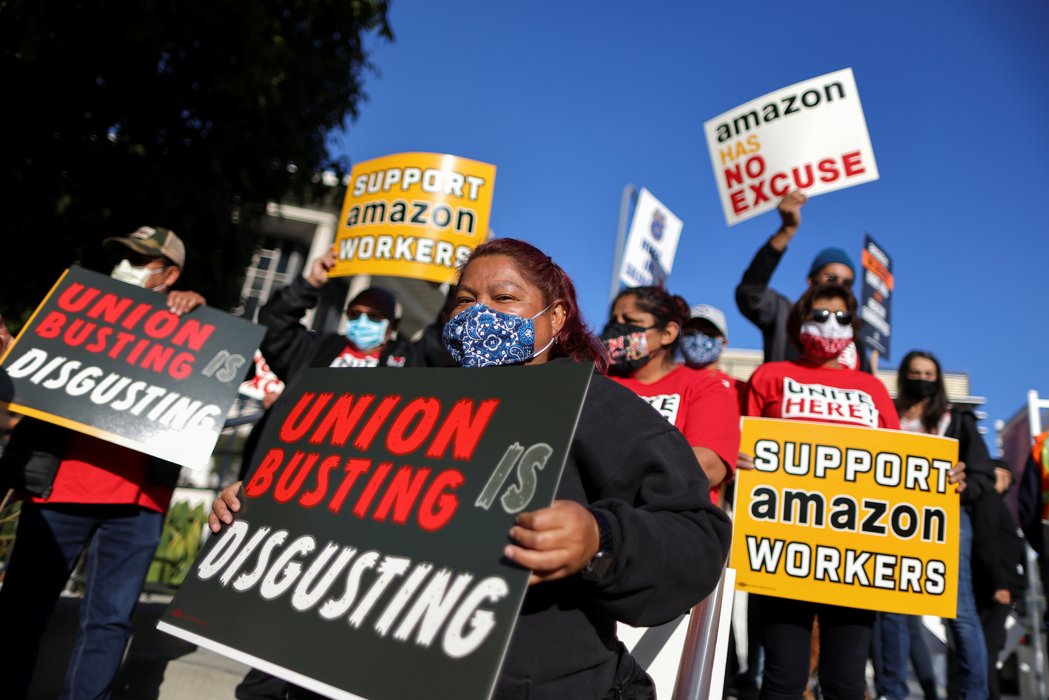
(179, 544)
(189, 114)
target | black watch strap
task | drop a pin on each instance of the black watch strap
(604, 560)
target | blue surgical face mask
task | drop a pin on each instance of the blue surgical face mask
(483, 337)
(700, 350)
(366, 334)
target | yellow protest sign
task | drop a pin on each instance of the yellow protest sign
(413, 215)
(848, 516)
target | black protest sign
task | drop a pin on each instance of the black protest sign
(876, 297)
(366, 560)
(108, 359)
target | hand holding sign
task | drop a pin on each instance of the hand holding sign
(224, 507)
(957, 477)
(790, 211)
(319, 270)
(554, 542)
(808, 136)
(183, 302)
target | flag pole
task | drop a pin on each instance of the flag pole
(629, 195)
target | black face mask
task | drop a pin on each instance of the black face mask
(917, 389)
(627, 347)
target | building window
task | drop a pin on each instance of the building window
(274, 264)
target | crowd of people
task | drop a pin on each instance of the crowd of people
(640, 527)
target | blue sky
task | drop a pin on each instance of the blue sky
(574, 100)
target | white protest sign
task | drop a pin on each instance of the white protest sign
(810, 136)
(651, 243)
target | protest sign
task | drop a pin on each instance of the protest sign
(651, 243)
(366, 560)
(810, 136)
(264, 381)
(875, 298)
(413, 215)
(108, 359)
(858, 517)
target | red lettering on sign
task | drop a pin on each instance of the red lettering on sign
(262, 477)
(852, 164)
(427, 411)
(438, 505)
(296, 425)
(401, 494)
(366, 498)
(739, 203)
(52, 325)
(354, 468)
(464, 428)
(312, 498)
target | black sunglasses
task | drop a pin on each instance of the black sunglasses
(357, 313)
(844, 318)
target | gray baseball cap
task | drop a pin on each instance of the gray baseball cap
(712, 314)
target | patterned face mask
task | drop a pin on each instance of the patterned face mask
(366, 334)
(823, 341)
(480, 336)
(627, 346)
(700, 350)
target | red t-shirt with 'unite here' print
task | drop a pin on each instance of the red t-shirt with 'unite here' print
(797, 391)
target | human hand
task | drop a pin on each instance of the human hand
(183, 302)
(957, 476)
(1003, 596)
(224, 507)
(270, 398)
(744, 461)
(318, 275)
(5, 336)
(554, 542)
(790, 211)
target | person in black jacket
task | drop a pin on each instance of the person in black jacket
(632, 535)
(768, 309)
(923, 407)
(82, 492)
(366, 340)
(999, 575)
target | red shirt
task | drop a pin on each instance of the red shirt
(96, 471)
(799, 391)
(701, 407)
(732, 384)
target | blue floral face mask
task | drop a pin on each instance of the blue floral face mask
(483, 337)
(700, 350)
(366, 334)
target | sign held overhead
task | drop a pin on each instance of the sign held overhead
(810, 136)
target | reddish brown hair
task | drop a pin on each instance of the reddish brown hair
(575, 340)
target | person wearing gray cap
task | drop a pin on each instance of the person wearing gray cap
(703, 338)
(768, 309)
(80, 492)
(153, 258)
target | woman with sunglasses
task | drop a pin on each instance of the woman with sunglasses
(816, 387)
(642, 337)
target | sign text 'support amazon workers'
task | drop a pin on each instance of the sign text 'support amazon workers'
(413, 215)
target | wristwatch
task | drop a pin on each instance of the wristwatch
(603, 561)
